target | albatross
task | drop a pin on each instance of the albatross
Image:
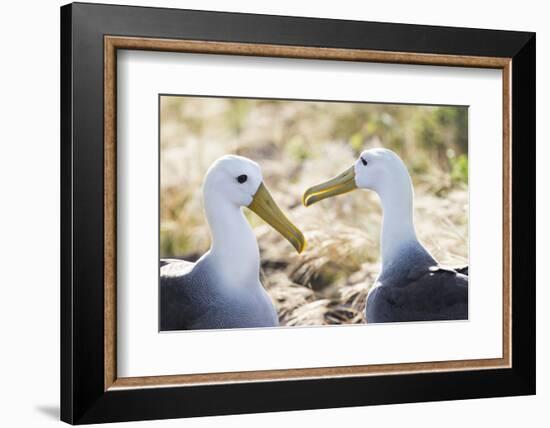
(411, 285)
(223, 289)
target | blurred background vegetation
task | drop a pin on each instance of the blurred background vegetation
(299, 144)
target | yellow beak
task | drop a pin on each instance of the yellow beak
(343, 183)
(264, 205)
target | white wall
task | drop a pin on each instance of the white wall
(29, 230)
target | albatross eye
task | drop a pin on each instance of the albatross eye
(364, 161)
(242, 178)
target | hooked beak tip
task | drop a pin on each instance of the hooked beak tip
(308, 198)
(343, 183)
(301, 248)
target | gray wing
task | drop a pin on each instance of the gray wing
(463, 270)
(183, 302)
(190, 301)
(435, 295)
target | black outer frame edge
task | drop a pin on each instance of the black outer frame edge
(166, 403)
(83, 398)
(524, 213)
(66, 304)
(301, 31)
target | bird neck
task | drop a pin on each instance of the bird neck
(234, 250)
(398, 229)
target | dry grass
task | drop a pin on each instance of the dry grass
(299, 144)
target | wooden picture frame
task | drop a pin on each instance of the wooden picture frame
(91, 391)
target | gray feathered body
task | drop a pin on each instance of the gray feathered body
(193, 296)
(413, 287)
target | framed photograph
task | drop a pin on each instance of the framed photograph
(265, 213)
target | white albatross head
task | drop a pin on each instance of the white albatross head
(380, 170)
(237, 182)
(233, 179)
